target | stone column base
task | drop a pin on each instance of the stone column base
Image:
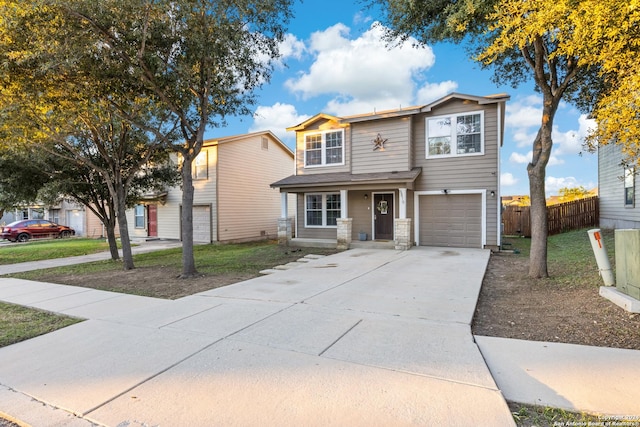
(403, 233)
(344, 233)
(284, 231)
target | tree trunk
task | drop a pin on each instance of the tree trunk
(539, 227)
(127, 255)
(110, 228)
(188, 260)
(542, 146)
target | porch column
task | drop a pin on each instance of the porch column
(402, 203)
(284, 204)
(284, 223)
(344, 211)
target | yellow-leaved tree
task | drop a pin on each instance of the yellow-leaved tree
(607, 33)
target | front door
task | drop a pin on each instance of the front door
(152, 220)
(383, 216)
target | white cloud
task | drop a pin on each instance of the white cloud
(363, 74)
(571, 142)
(524, 113)
(277, 118)
(521, 158)
(433, 91)
(507, 179)
(291, 47)
(553, 184)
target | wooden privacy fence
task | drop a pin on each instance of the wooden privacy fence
(563, 217)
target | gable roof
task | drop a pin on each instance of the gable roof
(233, 138)
(311, 120)
(482, 100)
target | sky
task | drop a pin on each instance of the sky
(334, 62)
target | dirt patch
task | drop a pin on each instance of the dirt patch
(512, 305)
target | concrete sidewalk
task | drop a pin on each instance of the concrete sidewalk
(364, 337)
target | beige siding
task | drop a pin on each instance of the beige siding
(475, 172)
(94, 227)
(322, 125)
(169, 215)
(395, 156)
(613, 212)
(248, 207)
(131, 225)
(204, 194)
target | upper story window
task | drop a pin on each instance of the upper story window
(200, 166)
(629, 187)
(455, 135)
(324, 148)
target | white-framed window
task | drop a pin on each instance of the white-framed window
(200, 166)
(322, 209)
(139, 216)
(629, 187)
(324, 148)
(455, 135)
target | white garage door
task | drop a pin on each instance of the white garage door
(451, 220)
(202, 224)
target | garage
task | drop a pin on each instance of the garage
(451, 220)
(202, 224)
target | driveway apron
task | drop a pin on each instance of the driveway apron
(363, 337)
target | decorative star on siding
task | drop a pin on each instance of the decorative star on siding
(378, 143)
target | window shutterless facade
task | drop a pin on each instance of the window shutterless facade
(200, 166)
(324, 148)
(629, 187)
(322, 209)
(455, 135)
(139, 216)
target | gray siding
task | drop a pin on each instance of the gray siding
(613, 212)
(395, 156)
(322, 125)
(312, 233)
(475, 172)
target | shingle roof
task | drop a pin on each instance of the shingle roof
(346, 178)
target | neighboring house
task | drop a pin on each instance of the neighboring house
(617, 190)
(232, 200)
(65, 213)
(426, 175)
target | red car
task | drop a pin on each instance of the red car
(21, 231)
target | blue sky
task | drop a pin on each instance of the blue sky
(334, 62)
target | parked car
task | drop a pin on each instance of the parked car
(21, 231)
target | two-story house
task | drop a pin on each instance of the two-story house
(426, 175)
(233, 200)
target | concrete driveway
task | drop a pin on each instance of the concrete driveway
(364, 337)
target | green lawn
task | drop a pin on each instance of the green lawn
(570, 258)
(19, 323)
(49, 249)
